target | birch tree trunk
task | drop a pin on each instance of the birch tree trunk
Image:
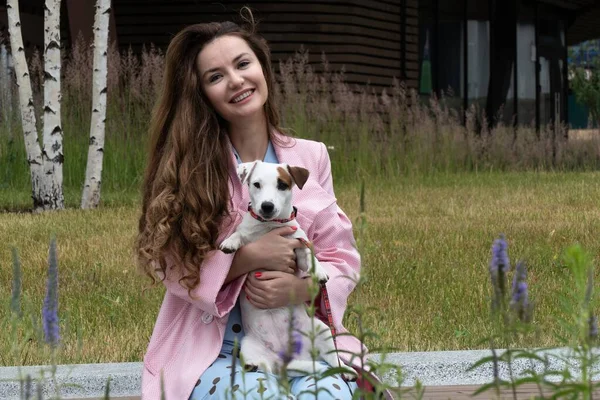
(53, 136)
(90, 197)
(30, 133)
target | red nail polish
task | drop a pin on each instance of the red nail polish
(257, 274)
(294, 228)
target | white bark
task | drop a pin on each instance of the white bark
(30, 134)
(90, 197)
(53, 135)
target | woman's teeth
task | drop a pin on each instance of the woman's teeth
(242, 96)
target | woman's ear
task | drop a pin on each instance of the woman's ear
(299, 174)
(244, 171)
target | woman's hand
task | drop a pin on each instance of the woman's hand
(274, 289)
(274, 252)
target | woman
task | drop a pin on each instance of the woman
(216, 110)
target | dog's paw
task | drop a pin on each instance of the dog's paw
(250, 368)
(318, 271)
(226, 250)
(321, 275)
(230, 245)
(323, 278)
(349, 375)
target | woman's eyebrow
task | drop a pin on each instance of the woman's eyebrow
(233, 61)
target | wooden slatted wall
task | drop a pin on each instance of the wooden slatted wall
(364, 37)
(585, 27)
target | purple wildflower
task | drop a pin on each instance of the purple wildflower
(499, 267)
(50, 308)
(520, 298)
(500, 261)
(294, 348)
(297, 343)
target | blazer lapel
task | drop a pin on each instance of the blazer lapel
(240, 197)
(286, 153)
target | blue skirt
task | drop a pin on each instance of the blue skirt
(226, 380)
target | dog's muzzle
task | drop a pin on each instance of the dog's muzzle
(267, 209)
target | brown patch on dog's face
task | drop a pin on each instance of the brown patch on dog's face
(285, 177)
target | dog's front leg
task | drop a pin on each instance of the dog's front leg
(232, 243)
(305, 262)
(319, 271)
(303, 259)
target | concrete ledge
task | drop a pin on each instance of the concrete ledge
(76, 381)
(82, 381)
(446, 368)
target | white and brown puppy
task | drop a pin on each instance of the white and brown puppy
(267, 330)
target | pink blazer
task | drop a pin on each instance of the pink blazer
(189, 332)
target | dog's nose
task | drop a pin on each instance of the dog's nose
(267, 207)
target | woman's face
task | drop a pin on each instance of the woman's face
(232, 78)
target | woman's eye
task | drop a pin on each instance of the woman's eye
(214, 78)
(243, 64)
(257, 185)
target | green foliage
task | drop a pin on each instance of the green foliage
(579, 356)
(585, 82)
(369, 133)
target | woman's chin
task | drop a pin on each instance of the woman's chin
(247, 113)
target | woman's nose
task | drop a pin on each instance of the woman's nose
(236, 80)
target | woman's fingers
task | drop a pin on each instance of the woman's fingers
(256, 302)
(255, 291)
(284, 231)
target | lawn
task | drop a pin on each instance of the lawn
(425, 247)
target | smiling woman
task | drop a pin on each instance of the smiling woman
(216, 111)
(235, 85)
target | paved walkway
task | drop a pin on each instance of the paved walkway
(453, 392)
(464, 392)
(445, 375)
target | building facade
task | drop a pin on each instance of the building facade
(508, 58)
(505, 57)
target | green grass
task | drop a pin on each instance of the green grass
(425, 253)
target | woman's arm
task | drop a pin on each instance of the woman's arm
(211, 295)
(222, 275)
(272, 252)
(334, 245)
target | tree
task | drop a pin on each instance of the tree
(30, 134)
(90, 197)
(585, 82)
(45, 164)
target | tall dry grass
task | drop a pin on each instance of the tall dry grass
(370, 133)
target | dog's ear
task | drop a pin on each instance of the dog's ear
(244, 171)
(299, 174)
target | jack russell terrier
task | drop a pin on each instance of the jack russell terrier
(267, 330)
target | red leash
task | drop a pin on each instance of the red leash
(325, 297)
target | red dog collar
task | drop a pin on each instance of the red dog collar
(280, 220)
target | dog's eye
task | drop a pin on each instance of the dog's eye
(281, 185)
(257, 185)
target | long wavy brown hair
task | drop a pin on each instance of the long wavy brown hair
(186, 187)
